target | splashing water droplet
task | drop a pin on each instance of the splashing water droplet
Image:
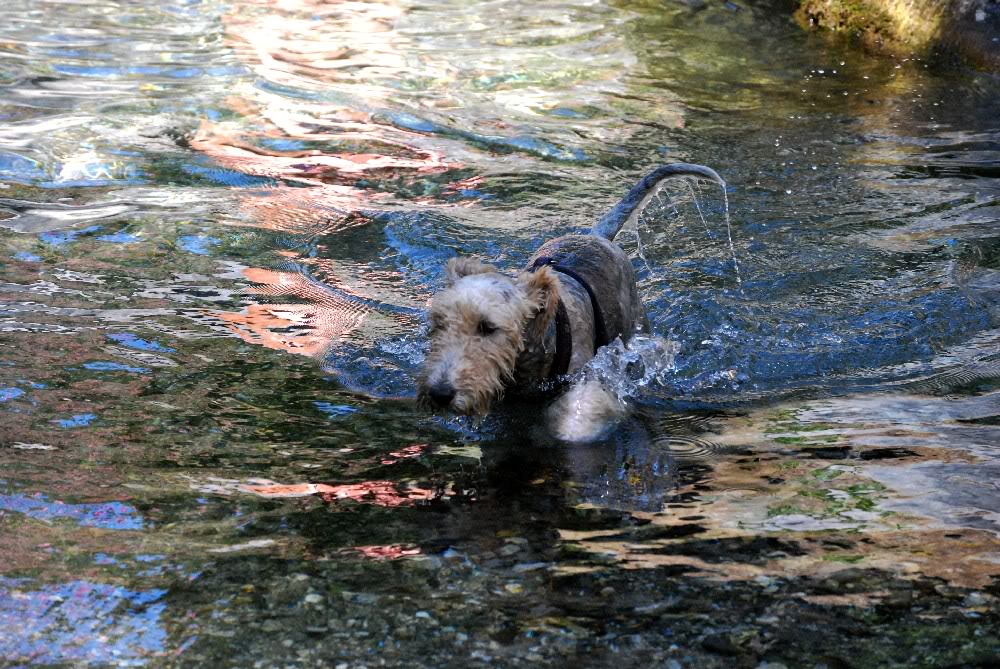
(632, 223)
(729, 235)
(627, 369)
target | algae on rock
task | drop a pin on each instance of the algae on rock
(967, 29)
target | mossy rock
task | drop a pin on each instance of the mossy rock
(968, 30)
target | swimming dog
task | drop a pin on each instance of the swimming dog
(492, 334)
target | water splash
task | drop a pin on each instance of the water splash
(729, 226)
(633, 221)
(628, 370)
(729, 235)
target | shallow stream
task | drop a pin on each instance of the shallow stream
(221, 223)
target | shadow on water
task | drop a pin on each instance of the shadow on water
(220, 224)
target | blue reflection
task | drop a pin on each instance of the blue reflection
(566, 112)
(106, 515)
(8, 394)
(78, 53)
(102, 366)
(473, 192)
(79, 420)
(226, 177)
(525, 143)
(282, 144)
(132, 341)
(335, 410)
(19, 168)
(105, 559)
(62, 237)
(147, 70)
(153, 565)
(80, 622)
(411, 122)
(121, 237)
(197, 244)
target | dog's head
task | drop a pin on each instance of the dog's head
(478, 327)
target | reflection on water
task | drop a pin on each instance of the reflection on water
(80, 622)
(111, 515)
(193, 190)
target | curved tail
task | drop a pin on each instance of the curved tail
(635, 201)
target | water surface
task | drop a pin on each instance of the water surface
(221, 223)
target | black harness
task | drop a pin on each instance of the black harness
(564, 335)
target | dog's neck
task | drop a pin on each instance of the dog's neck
(535, 363)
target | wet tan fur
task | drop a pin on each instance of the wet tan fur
(480, 366)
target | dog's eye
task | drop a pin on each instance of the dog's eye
(486, 329)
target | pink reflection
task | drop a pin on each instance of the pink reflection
(304, 42)
(329, 67)
(336, 62)
(409, 452)
(380, 493)
(244, 151)
(387, 552)
(307, 328)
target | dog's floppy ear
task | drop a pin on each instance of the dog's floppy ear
(542, 288)
(459, 267)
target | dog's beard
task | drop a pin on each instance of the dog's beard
(478, 400)
(477, 386)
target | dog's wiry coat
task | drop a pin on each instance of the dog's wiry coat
(491, 333)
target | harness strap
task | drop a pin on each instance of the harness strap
(600, 329)
(564, 335)
(564, 342)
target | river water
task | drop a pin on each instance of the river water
(221, 223)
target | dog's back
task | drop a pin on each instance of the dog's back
(606, 269)
(603, 266)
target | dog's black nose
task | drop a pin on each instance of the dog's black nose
(442, 394)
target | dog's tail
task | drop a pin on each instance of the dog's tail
(635, 201)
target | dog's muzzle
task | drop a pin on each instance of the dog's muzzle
(441, 395)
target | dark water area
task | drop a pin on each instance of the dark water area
(221, 224)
